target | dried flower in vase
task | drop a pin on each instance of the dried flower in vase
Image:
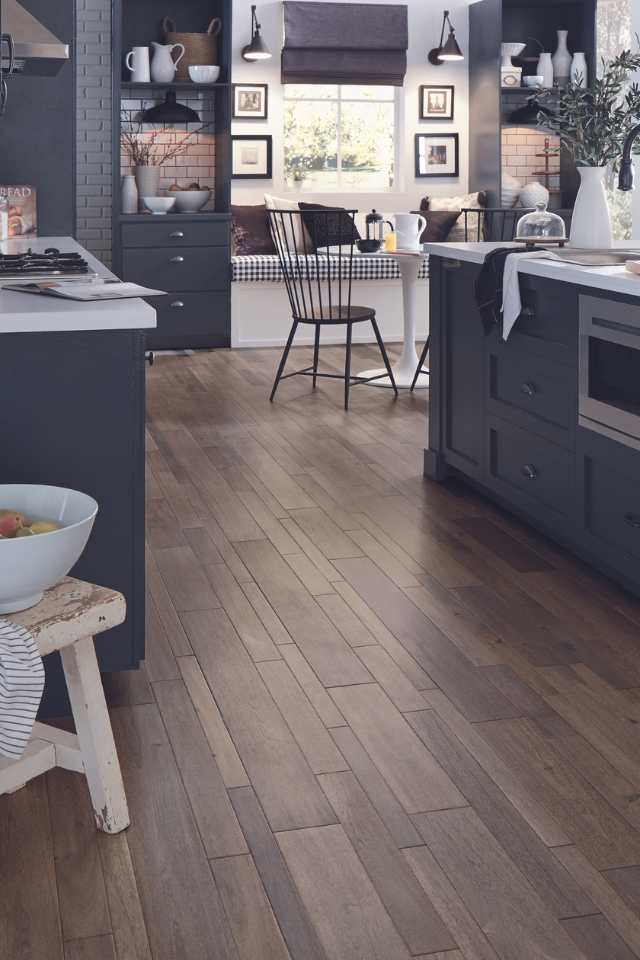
(150, 147)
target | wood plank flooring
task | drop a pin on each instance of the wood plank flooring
(379, 719)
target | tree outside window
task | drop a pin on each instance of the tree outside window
(339, 137)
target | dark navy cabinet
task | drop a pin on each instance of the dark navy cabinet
(505, 417)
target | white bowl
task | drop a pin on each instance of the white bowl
(30, 565)
(204, 73)
(159, 205)
(190, 201)
(533, 82)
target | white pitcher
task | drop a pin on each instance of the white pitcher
(163, 66)
(137, 61)
(409, 227)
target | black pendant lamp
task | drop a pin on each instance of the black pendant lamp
(170, 111)
(257, 49)
(449, 51)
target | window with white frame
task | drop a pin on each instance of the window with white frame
(340, 137)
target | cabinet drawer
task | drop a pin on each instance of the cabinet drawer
(531, 467)
(159, 232)
(548, 324)
(611, 492)
(187, 315)
(191, 268)
(533, 391)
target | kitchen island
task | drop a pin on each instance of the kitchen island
(72, 414)
(546, 423)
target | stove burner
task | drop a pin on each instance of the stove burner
(49, 263)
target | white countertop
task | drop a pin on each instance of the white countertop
(611, 279)
(26, 313)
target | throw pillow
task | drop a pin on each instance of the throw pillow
(297, 237)
(329, 226)
(465, 201)
(439, 225)
(250, 232)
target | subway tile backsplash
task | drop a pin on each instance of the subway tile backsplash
(520, 146)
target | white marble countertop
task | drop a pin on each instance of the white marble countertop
(24, 313)
(610, 279)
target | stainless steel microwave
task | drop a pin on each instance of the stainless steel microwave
(609, 369)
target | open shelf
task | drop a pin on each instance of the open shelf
(209, 215)
(181, 85)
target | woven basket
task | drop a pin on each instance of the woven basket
(199, 48)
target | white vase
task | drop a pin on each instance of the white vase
(562, 60)
(129, 194)
(147, 182)
(545, 70)
(591, 223)
(579, 70)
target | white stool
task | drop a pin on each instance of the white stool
(66, 619)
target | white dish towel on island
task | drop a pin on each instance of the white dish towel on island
(511, 302)
(21, 688)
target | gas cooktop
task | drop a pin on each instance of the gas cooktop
(36, 266)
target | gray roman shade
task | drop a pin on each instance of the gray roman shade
(344, 43)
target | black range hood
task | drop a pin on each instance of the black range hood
(27, 45)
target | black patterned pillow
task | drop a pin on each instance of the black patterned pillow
(328, 226)
(250, 233)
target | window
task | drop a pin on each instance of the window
(615, 34)
(340, 137)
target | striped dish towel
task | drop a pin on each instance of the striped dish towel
(21, 688)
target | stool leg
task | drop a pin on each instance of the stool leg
(347, 367)
(95, 736)
(316, 353)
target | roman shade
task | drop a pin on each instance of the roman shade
(360, 43)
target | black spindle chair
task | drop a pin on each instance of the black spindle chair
(481, 223)
(316, 251)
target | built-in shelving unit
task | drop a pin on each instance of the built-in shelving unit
(186, 254)
(491, 106)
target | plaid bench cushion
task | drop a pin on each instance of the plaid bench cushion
(267, 269)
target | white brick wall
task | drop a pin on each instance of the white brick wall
(520, 146)
(94, 185)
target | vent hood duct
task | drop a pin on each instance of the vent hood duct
(37, 52)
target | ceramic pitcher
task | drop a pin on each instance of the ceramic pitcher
(137, 61)
(409, 227)
(163, 66)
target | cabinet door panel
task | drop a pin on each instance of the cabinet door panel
(611, 492)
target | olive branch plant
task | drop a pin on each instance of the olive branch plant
(592, 122)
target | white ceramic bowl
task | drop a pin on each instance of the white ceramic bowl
(190, 201)
(204, 73)
(159, 205)
(533, 82)
(30, 565)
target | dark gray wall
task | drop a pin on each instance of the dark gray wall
(37, 133)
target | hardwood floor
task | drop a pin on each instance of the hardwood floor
(379, 719)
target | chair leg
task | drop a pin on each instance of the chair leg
(347, 367)
(421, 361)
(316, 354)
(383, 351)
(283, 359)
(95, 736)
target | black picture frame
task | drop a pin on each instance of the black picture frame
(267, 139)
(423, 91)
(264, 87)
(455, 140)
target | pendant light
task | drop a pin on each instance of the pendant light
(170, 111)
(450, 51)
(257, 49)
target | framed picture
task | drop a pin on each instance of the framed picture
(250, 101)
(251, 157)
(437, 155)
(436, 103)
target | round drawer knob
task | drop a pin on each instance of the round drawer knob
(176, 235)
(632, 519)
(177, 305)
(177, 260)
(529, 472)
(529, 389)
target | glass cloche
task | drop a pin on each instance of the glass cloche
(541, 226)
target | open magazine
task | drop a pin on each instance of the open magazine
(84, 291)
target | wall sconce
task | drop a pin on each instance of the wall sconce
(257, 49)
(450, 50)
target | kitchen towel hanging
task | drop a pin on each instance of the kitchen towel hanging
(360, 43)
(21, 688)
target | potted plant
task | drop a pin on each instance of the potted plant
(147, 149)
(592, 124)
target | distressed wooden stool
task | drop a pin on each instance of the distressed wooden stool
(67, 619)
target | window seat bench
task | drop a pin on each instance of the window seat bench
(261, 315)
